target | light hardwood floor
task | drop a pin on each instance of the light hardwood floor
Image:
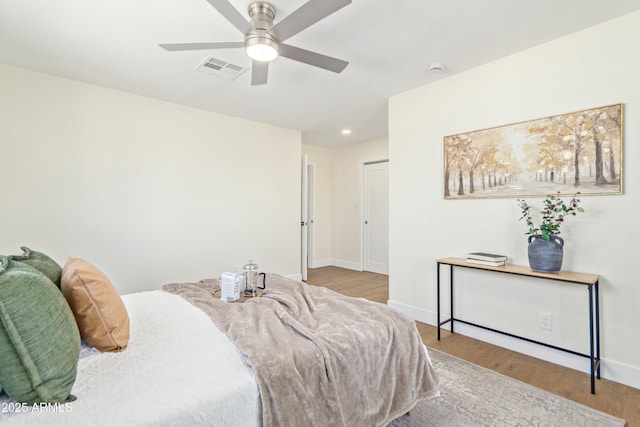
(612, 398)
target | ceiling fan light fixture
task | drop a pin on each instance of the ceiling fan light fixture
(262, 39)
(261, 47)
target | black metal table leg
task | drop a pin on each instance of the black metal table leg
(591, 340)
(597, 327)
(438, 298)
(451, 296)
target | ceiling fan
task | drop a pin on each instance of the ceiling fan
(263, 40)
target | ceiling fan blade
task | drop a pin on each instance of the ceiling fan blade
(232, 15)
(305, 16)
(259, 72)
(202, 45)
(312, 58)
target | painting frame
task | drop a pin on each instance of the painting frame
(564, 154)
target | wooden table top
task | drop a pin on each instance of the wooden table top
(566, 276)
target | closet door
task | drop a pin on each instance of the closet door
(376, 217)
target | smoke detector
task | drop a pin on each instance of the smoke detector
(436, 67)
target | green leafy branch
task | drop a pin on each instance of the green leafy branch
(553, 215)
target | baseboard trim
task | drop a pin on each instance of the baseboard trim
(320, 263)
(347, 264)
(610, 369)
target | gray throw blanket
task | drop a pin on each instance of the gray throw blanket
(321, 358)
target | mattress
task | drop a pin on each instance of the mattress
(178, 369)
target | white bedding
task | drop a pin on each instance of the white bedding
(179, 369)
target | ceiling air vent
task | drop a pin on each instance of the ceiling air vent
(220, 68)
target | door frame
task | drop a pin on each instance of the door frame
(310, 212)
(304, 256)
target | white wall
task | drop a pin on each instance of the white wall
(150, 192)
(347, 172)
(341, 168)
(591, 68)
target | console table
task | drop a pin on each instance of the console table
(588, 280)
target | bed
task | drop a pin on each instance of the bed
(194, 360)
(178, 369)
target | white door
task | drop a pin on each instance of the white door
(304, 220)
(376, 217)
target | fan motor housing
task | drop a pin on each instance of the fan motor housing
(262, 15)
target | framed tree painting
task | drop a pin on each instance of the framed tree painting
(579, 152)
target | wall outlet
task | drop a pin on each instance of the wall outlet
(545, 321)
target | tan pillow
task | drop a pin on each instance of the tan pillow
(101, 315)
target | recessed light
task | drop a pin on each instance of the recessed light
(346, 131)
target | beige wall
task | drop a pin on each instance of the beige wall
(591, 68)
(150, 192)
(340, 169)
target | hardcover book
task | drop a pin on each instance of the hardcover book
(483, 256)
(483, 262)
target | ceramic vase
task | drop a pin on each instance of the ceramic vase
(545, 256)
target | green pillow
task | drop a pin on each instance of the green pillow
(39, 338)
(40, 262)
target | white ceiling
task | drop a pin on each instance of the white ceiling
(389, 44)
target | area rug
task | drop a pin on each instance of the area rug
(471, 395)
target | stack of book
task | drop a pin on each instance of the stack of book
(486, 259)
